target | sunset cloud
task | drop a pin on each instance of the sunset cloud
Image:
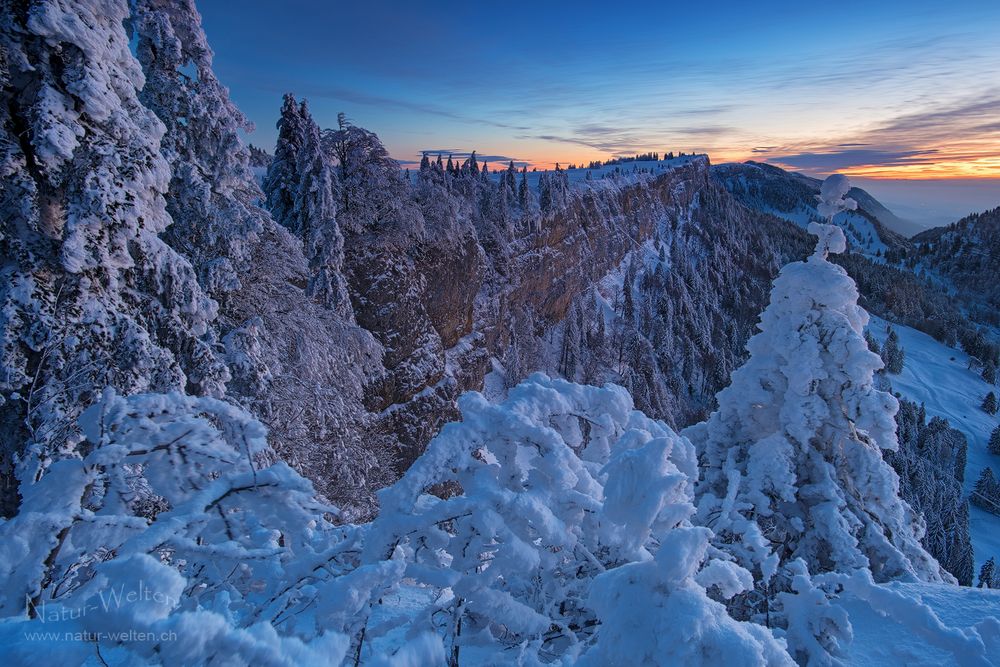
(956, 139)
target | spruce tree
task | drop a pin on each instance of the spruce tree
(525, 197)
(892, 353)
(986, 492)
(314, 219)
(994, 444)
(990, 404)
(569, 356)
(282, 180)
(990, 372)
(872, 342)
(987, 575)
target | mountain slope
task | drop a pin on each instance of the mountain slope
(939, 378)
(792, 196)
(967, 255)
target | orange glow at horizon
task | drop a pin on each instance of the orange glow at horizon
(946, 163)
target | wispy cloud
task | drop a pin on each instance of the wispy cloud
(369, 99)
(958, 132)
(620, 141)
(963, 119)
(829, 161)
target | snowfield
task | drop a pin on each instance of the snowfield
(906, 636)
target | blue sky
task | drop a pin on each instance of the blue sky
(879, 89)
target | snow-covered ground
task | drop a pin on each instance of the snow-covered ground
(903, 634)
(859, 230)
(576, 176)
(939, 377)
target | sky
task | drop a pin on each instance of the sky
(898, 93)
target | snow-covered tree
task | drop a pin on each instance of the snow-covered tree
(993, 446)
(281, 184)
(989, 373)
(988, 575)
(569, 356)
(892, 354)
(873, 343)
(212, 196)
(526, 198)
(930, 463)
(791, 461)
(372, 190)
(298, 362)
(990, 404)
(986, 492)
(315, 220)
(553, 190)
(90, 293)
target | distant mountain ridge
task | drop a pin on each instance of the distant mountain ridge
(873, 228)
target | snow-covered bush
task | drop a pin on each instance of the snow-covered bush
(656, 612)
(551, 528)
(163, 524)
(515, 514)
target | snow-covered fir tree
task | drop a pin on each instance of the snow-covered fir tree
(281, 183)
(986, 492)
(892, 354)
(993, 446)
(792, 463)
(930, 463)
(315, 220)
(989, 405)
(988, 575)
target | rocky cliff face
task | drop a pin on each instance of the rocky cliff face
(577, 246)
(442, 307)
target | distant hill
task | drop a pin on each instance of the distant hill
(966, 253)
